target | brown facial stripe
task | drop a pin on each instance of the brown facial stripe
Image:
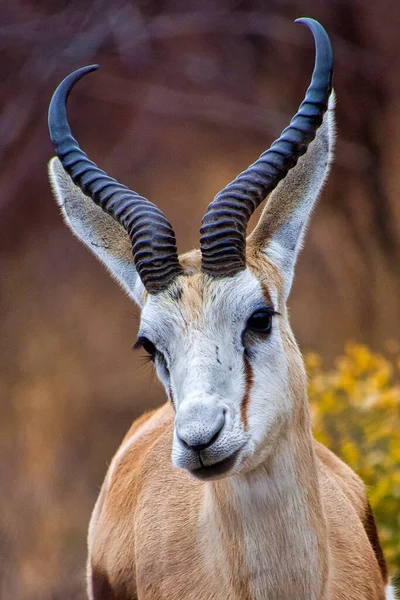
(248, 375)
(372, 533)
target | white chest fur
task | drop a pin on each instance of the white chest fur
(265, 533)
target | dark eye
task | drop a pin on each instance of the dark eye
(147, 345)
(260, 321)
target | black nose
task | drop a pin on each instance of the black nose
(199, 439)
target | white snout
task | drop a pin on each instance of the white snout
(199, 422)
(205, 435)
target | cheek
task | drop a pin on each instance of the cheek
(164, 377)
(270, 398)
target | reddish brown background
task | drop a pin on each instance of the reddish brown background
(188, 94)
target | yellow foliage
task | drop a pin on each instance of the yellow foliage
(356, 413)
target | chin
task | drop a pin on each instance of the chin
(218, 470)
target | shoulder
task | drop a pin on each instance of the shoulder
(341, 486)
(144, 433)
(114, 513)
(117, 498)
(333, 470)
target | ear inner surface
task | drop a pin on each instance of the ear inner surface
(280, 230)
(104, 236)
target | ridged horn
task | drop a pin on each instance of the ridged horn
(223, 233)
(153, 239)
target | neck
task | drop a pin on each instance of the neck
(268, 526)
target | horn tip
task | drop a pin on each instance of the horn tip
(307, 21)
(58, 101)
(76, 75)
(322, 41)
(315, 26)
(89, 68)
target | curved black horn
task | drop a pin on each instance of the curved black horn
(223, 233)
(152, 237)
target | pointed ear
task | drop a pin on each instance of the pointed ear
(280, 231)
(106, 238)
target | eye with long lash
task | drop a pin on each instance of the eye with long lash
(152, 353)
(147, 345)
(258, 327)
(261, 321)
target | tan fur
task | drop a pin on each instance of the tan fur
(191, 261)
(158, 533)
(148, 539)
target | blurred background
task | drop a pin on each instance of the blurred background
(189, 93)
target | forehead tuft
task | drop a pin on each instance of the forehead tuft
(191, 262)
(191, 298)
(196, 293)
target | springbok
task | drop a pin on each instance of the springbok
(251, 506)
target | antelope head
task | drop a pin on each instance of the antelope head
(214, 321)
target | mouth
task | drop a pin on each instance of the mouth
(217, 469)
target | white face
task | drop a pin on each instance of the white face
(218, 350)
